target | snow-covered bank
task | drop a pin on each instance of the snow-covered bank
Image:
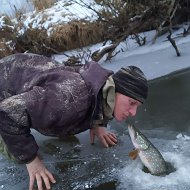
(9, 7)
(155, 60)
(156, 63)
(65, 12)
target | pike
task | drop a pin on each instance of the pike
(149, 155)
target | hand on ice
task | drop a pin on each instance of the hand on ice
(106, 138)
(37, 171)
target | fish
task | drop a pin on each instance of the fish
(151, 158)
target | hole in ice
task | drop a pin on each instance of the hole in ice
(170, 169)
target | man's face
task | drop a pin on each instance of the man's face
(125, 107)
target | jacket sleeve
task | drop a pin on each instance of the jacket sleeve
(15, 128)
(98, 119)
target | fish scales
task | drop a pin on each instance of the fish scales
(148, 153)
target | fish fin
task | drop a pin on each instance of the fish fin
(133, 154)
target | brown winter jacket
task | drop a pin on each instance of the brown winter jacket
(37, 92)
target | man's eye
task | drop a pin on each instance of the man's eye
(133, 103)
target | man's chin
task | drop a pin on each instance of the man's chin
(119, 119)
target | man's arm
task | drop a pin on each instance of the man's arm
(15, 131)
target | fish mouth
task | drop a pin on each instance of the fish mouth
(131, 131)
(133, 135)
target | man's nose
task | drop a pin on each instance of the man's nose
(133, 111)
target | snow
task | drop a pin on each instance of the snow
(183, 137)
(61, 12)
(155, 60)
(2, 23)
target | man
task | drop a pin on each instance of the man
(36, 92)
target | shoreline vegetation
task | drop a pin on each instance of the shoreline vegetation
(109, 22)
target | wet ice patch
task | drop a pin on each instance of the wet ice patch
(176, 152)
(11, 176)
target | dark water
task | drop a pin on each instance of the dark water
(77, 165)
(168, 104)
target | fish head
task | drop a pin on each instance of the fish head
(139, 141)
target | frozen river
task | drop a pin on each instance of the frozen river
(77, 165)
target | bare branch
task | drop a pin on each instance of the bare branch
(139, 39)
(169, 16)
(98, 54)
(173, 43)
